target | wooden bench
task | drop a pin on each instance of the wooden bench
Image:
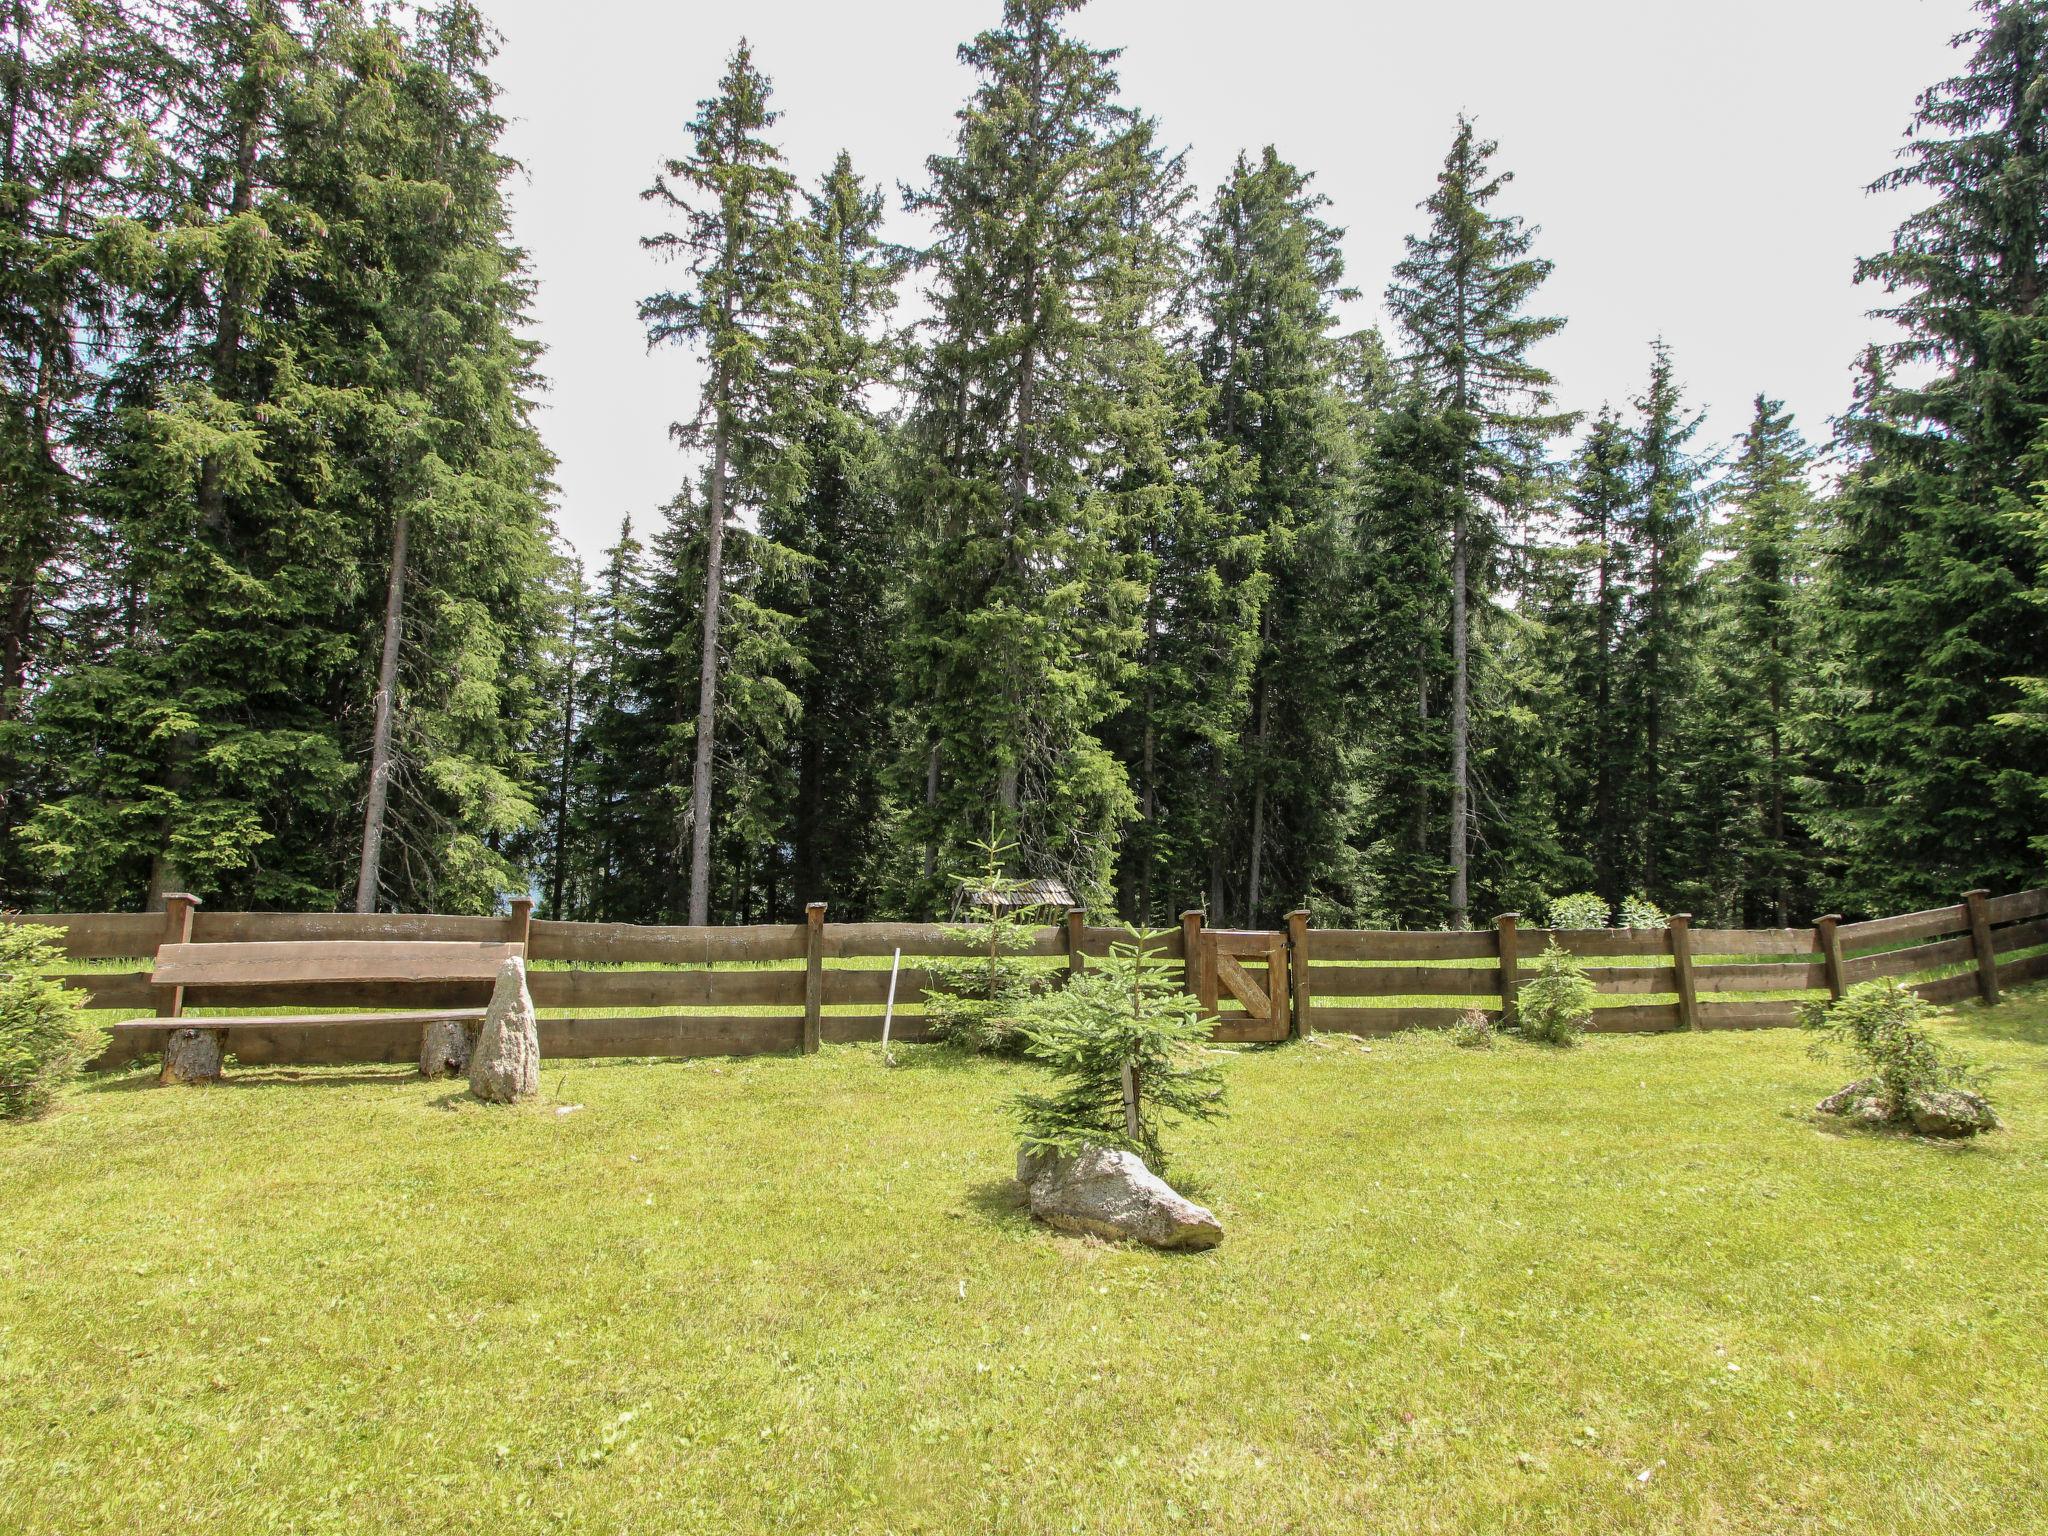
(460, 976)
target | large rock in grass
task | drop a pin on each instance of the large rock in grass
(1113, 1194)
(1862, 1102)
(1953, 1112)
(505, 1066)
(1949, 1112)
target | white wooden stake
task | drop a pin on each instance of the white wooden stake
(1130, 1101)
(889, 1012)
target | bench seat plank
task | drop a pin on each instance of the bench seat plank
(327, 962)
(298, 1020)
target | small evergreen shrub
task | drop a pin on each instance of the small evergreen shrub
(1556, 1003)
(41, 1045)
(1585, 910)
(1883, 1026)
(1129, 1013)
(1473, 1031)
(979, 1002)
(1638, 911)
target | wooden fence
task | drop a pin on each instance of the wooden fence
(1652, 979)
(617, 989)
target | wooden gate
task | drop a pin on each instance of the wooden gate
(1262, 990)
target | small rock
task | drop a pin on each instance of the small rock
(505, 1067)
(1114, 1195)
(1953, 1112)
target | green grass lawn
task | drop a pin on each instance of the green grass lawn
(1633, 1287)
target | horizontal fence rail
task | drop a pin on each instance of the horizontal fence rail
(620, 989)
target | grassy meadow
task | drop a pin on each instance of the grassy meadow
(1634, 1287)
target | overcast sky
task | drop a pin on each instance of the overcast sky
(1697, 170)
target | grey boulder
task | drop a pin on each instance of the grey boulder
(505, 1065)
(1952, 1112)
(1861, 1102)
(1101, 1193)
(1948, 1112)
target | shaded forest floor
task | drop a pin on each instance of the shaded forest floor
(1632, 1287)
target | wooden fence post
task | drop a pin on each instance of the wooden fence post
(1980, 940)
(1076, 921)
(1680, 930)
(178, 907)
(1510, 967)
(814, 974)
(191, 1055)
(1830, 952)
(1191, 953)
(1297, 971)
(519, 926)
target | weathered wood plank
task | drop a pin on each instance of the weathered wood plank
(665, 989)
(1948, 989)
(632, 943)
(1241, 986)
(1761, 976)
(1903, 962)
(1387, 1021)
(330, 927)
(2017, 906)
(342, 996)
(1403, 980)
(2019, 936)
(2031, 968)
(1777, 1015)
(1707, 943)
(1161, 944)
(849, 941)
(331, 963)
(99, 935)
(1603, 942)
(1627, 980)
(1394, 944)
(232, 1023)
(112, 989)
(677, 1035)
(873, 986)
(1932, 923)
(1634, 1018)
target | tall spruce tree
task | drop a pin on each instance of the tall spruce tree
(1667, 519)
(319, 312)
(1593, 619)
(1752, 855)
(1022, 619)
(1933, 580)
(1461, 296)
(733, 196)
(1270, 277)
(830, 507)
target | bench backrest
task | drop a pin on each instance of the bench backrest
(328, 961)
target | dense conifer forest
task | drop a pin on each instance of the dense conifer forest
(1085, 526)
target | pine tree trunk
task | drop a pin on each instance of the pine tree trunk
(707, 691)
(931, 801)
(380, 729)
(1461, 724)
